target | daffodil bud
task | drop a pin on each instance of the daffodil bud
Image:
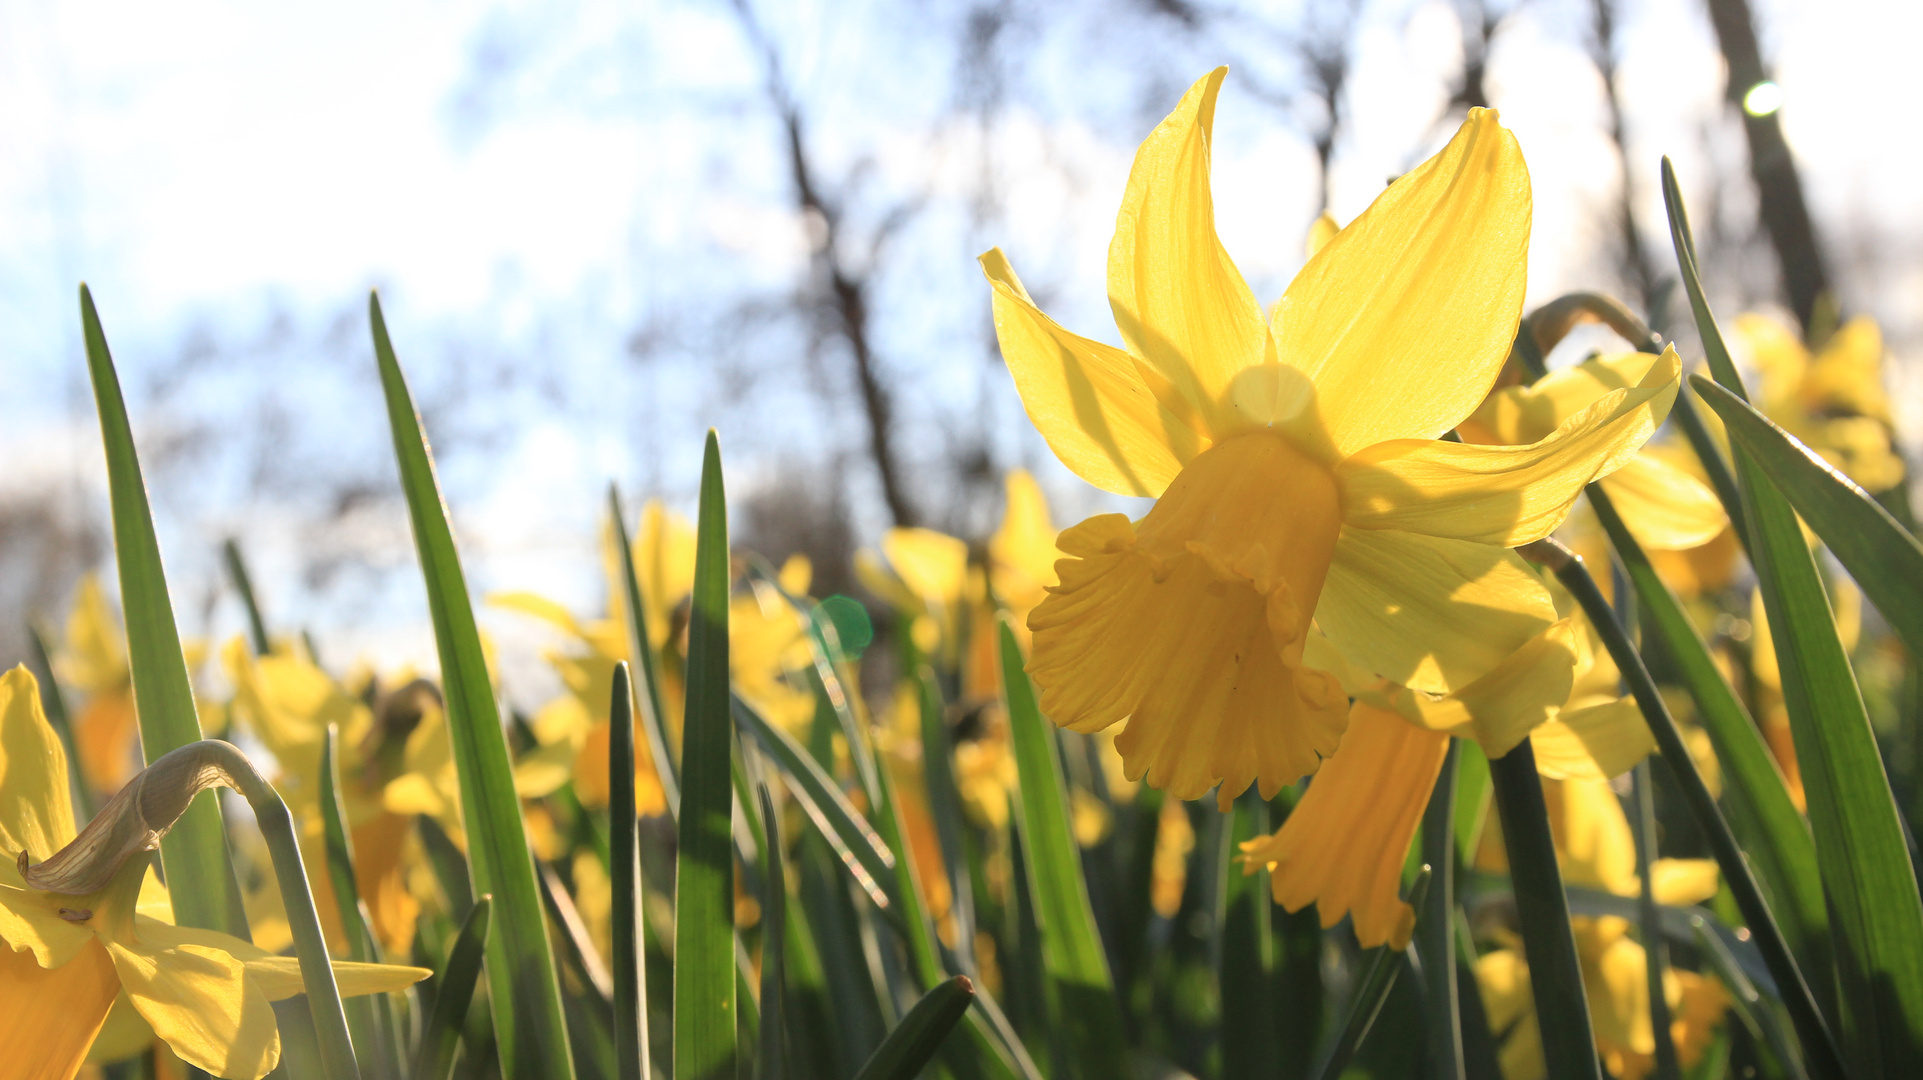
(134, 820)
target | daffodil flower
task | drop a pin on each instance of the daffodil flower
(1597, 851)
(1833, 400)
(924, 575)
(1296, 463)
(67, 958)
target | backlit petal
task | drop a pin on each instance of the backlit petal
(1179, 300)
(1404, 319)
(1524, 414)
(1430, 613)
(1507, 495)
(1592, 835)
(932, 564)
(1087, 399)
(1343, 845)
(199, 1003)
(1515, 698)
(1596, 742)
(36, 808)
(1665, 508)
(279, 977)
(1684, 881)
(49, 1016)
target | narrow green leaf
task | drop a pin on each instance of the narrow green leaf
(1246, 962)
(774, 938)
(1555, 973)
(1071, 944)
(1756, 1013)
(653, 715)
(1877, 551)
(912, 1045)
(1385, 965)
(630, 985)
(860, 848)
(1649, 925)
(244, 585)
(1876, 912)
(1794, 986)
(194, 854)
(704, 940)
(1775, 839)
(1472, 797)
(1435, 925)
(945, 806)
(371, 1040)
(455, 989)
(524, 993)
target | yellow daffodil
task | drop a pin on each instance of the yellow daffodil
(1597, 850)
(68, 958)
(1296, 463)
(389, 753)
(925, 576)
(1022, 553)
(93, 663)
(1834, 401)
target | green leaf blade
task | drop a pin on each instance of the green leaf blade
(442, 1035)
(524, 991)
(914, 1041)
(1071, 944)
(704, 940)
(194, 854)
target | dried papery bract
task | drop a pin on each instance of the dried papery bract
(138, 817)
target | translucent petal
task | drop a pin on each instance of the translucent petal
(932, 564)
(1430, 613)
(198, 1001)
(1665, 508)
(49, 1016)
(279, 977)
(1596, 742)
(1404, 319)
(1179, 300)
(1343, 845)
(36, 807)
(1514, 699)
(1022, 553)
(1507, 495)
(1524, 414)
(1089, 400)
(1592, 835)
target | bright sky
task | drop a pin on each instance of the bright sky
(233, 176)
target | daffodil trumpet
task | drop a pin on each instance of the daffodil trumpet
(1568, 567)
(131, 826)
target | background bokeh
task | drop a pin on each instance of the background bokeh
(600, 228)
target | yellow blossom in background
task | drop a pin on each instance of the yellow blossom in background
(1597, 850)
(92, 662)
(69, 958)
(1022, 553)
(924, 575)
(1833, 400)
(1296, 463)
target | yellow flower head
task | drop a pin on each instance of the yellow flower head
(1834, 400)
(1022, 553)
(1296, 463)
(66, 959)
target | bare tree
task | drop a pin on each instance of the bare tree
(837, 294)
(1638, 269)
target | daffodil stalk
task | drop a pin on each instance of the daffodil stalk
(132, 824)
(1818, 1047)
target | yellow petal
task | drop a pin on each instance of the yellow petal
(49, 1016)
(1192, 625)
(538, 606)
(932, 564)
(1087, 399)
(124, 1034)
(1507, 495)
(36, 807)
(1502, 975)
(1022, 553)
(279, 977)
(1179, 300)
(1665, 508)
(1779, 356)
(1848, 374)
(1592, 835)
(1321, 232)
(1343, 845)
(1514, 699)
(1684, 881)
(1524, 414)
(1430, 613)
(1403, 321)
(1593, 743)
(199, 1003)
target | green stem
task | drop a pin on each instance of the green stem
(1655, 951)
(1435, 925)
(630, 987)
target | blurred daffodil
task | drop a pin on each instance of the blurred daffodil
(1296, 463)
(925, 576)
(69, 958)
(93, 663)
(1833, 400)
(1597, 851)
(1022, 553)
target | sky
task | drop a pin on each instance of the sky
(572, 211)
